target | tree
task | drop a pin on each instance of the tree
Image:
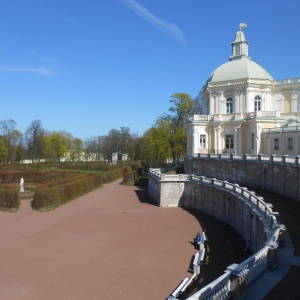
(54, 146)
(77, 147)
(123, 142)
(182, 109)
(34, 139)
(11, 137)
(197, 106)
(3, 151)
(155, 145)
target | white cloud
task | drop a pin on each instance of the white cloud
(162, 25)
(38, 71)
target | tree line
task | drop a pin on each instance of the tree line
(165, 139)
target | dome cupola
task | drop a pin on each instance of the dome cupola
(240, 65)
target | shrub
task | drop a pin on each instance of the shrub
(130, 176)
(49, 198)
(9, 200)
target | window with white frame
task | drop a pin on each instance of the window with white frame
(229, 142)
(257, 103)
(202, 141)
(229, 105)
(276, 143)
(290, 143)
(237, 50)
(252, 141)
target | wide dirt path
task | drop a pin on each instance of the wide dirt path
(111, 243)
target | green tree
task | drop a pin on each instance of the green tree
(3, 150)
(12, 138)
(78, 148)
(54, 146)
(155, 145)
(181, 109)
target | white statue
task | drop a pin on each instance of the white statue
(22, 185)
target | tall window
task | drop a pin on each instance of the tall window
(276, 143)
(237, 50)
(202, 142)
(257, 103)
(229, 105)
(229, 141)
(252, 140)
(290, 143)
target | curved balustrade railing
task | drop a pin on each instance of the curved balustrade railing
(274, 159)
(250, 269)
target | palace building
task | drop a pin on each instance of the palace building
(245, 110)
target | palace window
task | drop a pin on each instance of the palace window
(252, 141)
(237, 50)
(202, 142)
(290, 143)
(276, 143)
(229, 105)
(257, 103)
(229, 141)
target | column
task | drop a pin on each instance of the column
(240, 140)
(195, 140)
(237, 139)
(212, 108)
(269, 144)
(258, 135)
(217, 139)
(247, 103)
(237, 103)
(217, 98)
(221, 103)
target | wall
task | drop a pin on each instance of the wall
(278, 174)
(247, 213)
(234, 205)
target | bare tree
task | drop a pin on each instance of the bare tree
(34, 139)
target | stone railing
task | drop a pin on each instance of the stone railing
(234, 282)
(281, 129)
(257, 204)
(156, 173)
(273, 159)
(288, 80)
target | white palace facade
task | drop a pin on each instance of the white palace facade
(246, 111)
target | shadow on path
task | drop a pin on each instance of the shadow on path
(143, 196)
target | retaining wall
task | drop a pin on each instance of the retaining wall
(278, 174)
(240, 208)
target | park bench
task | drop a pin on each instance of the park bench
(199, 257)
(181, 287)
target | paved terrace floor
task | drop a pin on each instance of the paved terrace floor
(115, 243)
(112, 243)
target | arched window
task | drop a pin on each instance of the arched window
(229, 105)
(257, 103)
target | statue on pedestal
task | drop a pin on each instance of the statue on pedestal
(22, 185)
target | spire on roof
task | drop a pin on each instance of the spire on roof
(240, 45)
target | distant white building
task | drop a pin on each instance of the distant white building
(245, 110)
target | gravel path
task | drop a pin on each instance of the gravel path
(108, 244)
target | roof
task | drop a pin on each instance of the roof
(243, 68)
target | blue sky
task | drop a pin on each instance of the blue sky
(88, 66)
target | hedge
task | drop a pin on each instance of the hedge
(130, 176)
(9, 200)
(45, 198)
(113, 175)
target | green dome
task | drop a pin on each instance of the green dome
(239, 69)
